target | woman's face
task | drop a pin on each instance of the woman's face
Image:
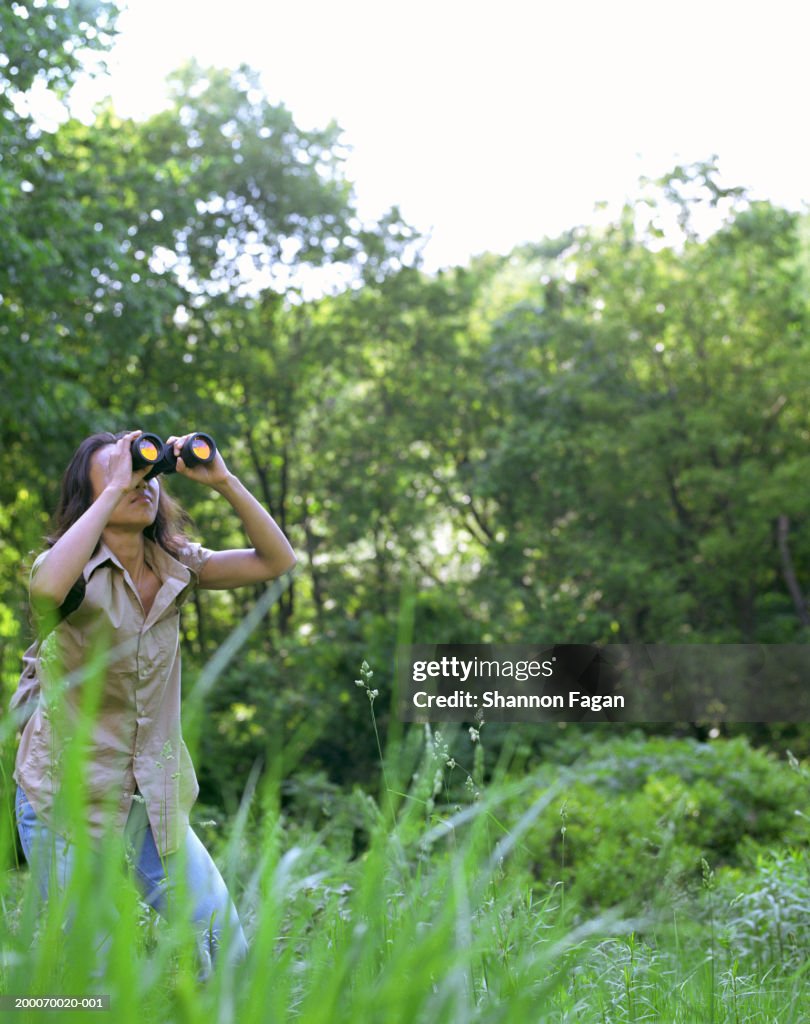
(137, 508)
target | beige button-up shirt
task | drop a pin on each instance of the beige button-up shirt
(135, 737)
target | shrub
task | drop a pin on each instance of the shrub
(639, 816)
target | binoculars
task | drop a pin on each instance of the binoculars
(149, 450)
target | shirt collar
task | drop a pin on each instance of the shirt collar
(101, 555)
(167, 566)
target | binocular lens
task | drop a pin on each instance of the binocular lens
(148, 450)
(201, 448)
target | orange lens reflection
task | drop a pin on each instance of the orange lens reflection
(200, 448)
(148, 450)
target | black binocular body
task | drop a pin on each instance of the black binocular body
(149, 450)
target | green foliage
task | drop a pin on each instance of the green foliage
(645, 426)
(590, 440)
(640, 815)
(50, 40)
(433, 918)
(765, 915)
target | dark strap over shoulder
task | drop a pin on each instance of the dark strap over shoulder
(45, 621)
(74, 598)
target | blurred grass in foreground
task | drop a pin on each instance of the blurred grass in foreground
(439, 917)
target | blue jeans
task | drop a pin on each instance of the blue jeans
(211, 902)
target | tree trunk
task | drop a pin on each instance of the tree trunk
(286, 602)
(317, 586)
(200, 623)
(782, 529)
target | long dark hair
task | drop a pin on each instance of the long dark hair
(76, 497)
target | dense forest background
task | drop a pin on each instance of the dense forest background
(601, 437)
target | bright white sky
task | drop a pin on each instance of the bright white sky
(499, 122)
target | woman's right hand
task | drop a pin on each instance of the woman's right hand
(116, 460)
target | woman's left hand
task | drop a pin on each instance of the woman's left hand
(213, 474)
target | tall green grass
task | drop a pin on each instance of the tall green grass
(439, 918)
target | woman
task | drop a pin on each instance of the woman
(116, 572)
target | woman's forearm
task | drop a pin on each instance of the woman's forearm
(265, 535)
(64, 562)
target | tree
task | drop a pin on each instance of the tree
(649, 432)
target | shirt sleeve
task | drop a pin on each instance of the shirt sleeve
(27, 692)
(194, 556)
(35, 568)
